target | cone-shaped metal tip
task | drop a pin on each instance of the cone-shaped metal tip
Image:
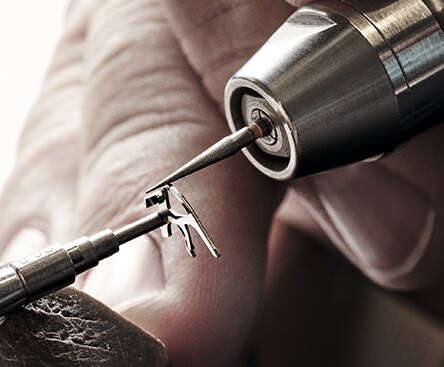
(224, 148)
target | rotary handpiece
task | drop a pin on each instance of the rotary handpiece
(339, 82)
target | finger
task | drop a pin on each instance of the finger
(325, 305)
(386, 217)
(38, 199)
(217, 37)
(311, 312)
(144, 114)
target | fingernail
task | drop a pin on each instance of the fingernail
(385, 220)
(25, 242)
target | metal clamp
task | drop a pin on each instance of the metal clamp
(182, 221)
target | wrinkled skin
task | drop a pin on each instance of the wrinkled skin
(135, 90)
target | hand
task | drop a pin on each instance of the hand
(134, 91)
(130, 96)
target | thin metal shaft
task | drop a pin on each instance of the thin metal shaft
(139, 228)
(224, 148)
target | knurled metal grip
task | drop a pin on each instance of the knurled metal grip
(51, 269)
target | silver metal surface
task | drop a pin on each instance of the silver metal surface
(56, 266)
(181, 220)
(139, 228)
(12, 291)
(342, 81)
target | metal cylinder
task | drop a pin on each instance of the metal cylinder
(45, 271)
(341, 81)
(52, 268)
(12, 291)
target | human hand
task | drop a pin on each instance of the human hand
(135, 90)
(128, 99)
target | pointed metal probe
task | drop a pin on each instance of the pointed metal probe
(224, 148)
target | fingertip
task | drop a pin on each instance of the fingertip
(387, 226)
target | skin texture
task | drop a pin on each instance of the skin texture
(135, 90)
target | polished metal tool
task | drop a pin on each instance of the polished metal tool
(224, 148)
(339, 82)
(57, 266)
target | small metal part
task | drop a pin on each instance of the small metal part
(259, 116)
(224, 148)
(254, 108)
(56, 266)
(181, 220)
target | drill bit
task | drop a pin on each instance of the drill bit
(224, 148)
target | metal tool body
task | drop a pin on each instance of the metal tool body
(57, 266)
(339, 82)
